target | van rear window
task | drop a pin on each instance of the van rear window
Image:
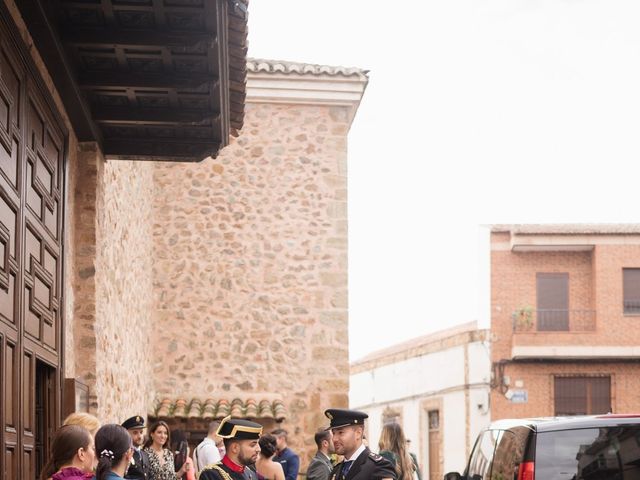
(611, 453)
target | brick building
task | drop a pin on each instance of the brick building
(565, 306)
(127, 286)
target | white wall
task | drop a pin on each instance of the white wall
(435, 377)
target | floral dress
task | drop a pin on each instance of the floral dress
(157, 471)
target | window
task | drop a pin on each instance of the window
(509, 453)
(582, 395)
(482, 456)
(631, 290)
(592, 453)
(552, 291)
(434, 419)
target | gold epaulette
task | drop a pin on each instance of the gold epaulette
(217, 468)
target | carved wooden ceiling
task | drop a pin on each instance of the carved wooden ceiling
(147, 79)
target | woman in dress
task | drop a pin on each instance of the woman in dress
(266, 468)
(393, 447)
(72, 455)
(161, 462)
(115, 451)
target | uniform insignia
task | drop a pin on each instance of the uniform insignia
(375, 457)
(217, 468)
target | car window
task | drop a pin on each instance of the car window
(480, 461)
(611, 453)
(508, 454)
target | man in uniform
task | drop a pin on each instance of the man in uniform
(240, 439)
(139, 467)
(359, 463)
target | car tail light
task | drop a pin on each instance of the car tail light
(526, 471)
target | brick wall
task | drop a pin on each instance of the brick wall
(250, 269)
(595, 283)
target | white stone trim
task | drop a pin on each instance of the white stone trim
(576, 243)
(297, 89)
(574, 352)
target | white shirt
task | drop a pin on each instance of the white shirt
(356, 454)
(206, 453)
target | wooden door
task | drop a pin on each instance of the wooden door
(32, 145)
(435, 472)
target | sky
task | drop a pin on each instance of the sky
(477, 112)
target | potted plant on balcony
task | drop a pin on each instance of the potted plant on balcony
(523, 318)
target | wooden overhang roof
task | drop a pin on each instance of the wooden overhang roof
(146, 79)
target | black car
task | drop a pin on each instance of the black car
(604, 447)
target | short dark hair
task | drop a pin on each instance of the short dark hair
(321, 436)
(280, 432)
(228, 442)
(213, 427)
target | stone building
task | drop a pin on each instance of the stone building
(436, 387)
(128, 285)
(250, 260)
(564, 306)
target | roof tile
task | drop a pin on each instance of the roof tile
(220, 408)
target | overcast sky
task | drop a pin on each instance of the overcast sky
(477, 112)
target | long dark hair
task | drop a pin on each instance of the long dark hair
(153, 428)
(66, 443)
(112, 443)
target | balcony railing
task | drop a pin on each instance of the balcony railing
(553, 320)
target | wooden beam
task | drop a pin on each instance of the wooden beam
(153, 116)
(45, 38)
(135, 38)
(120, 79)
(160, 149)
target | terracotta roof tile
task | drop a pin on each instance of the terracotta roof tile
(220, 408)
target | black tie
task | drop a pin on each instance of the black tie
(346, 467)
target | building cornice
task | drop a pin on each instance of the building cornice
(270, 81)
(575, 352)
(427, 346)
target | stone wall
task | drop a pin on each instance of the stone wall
(250, 268)
(124, 288)
(112, 285)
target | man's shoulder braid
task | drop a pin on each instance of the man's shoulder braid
(217, 468)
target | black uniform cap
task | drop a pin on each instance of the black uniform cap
(239, 429)
(133, 422)
(342, 418)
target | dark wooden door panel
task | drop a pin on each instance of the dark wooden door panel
(32, 152)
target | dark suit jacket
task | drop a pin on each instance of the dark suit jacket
(290, 463)
(139, 469)
(368, 466)
(319, 468)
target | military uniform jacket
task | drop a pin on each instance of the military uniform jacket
(219, 471)
(368, 466)
(139, 467)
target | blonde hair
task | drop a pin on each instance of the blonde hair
(85, 420)
(392, 439)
